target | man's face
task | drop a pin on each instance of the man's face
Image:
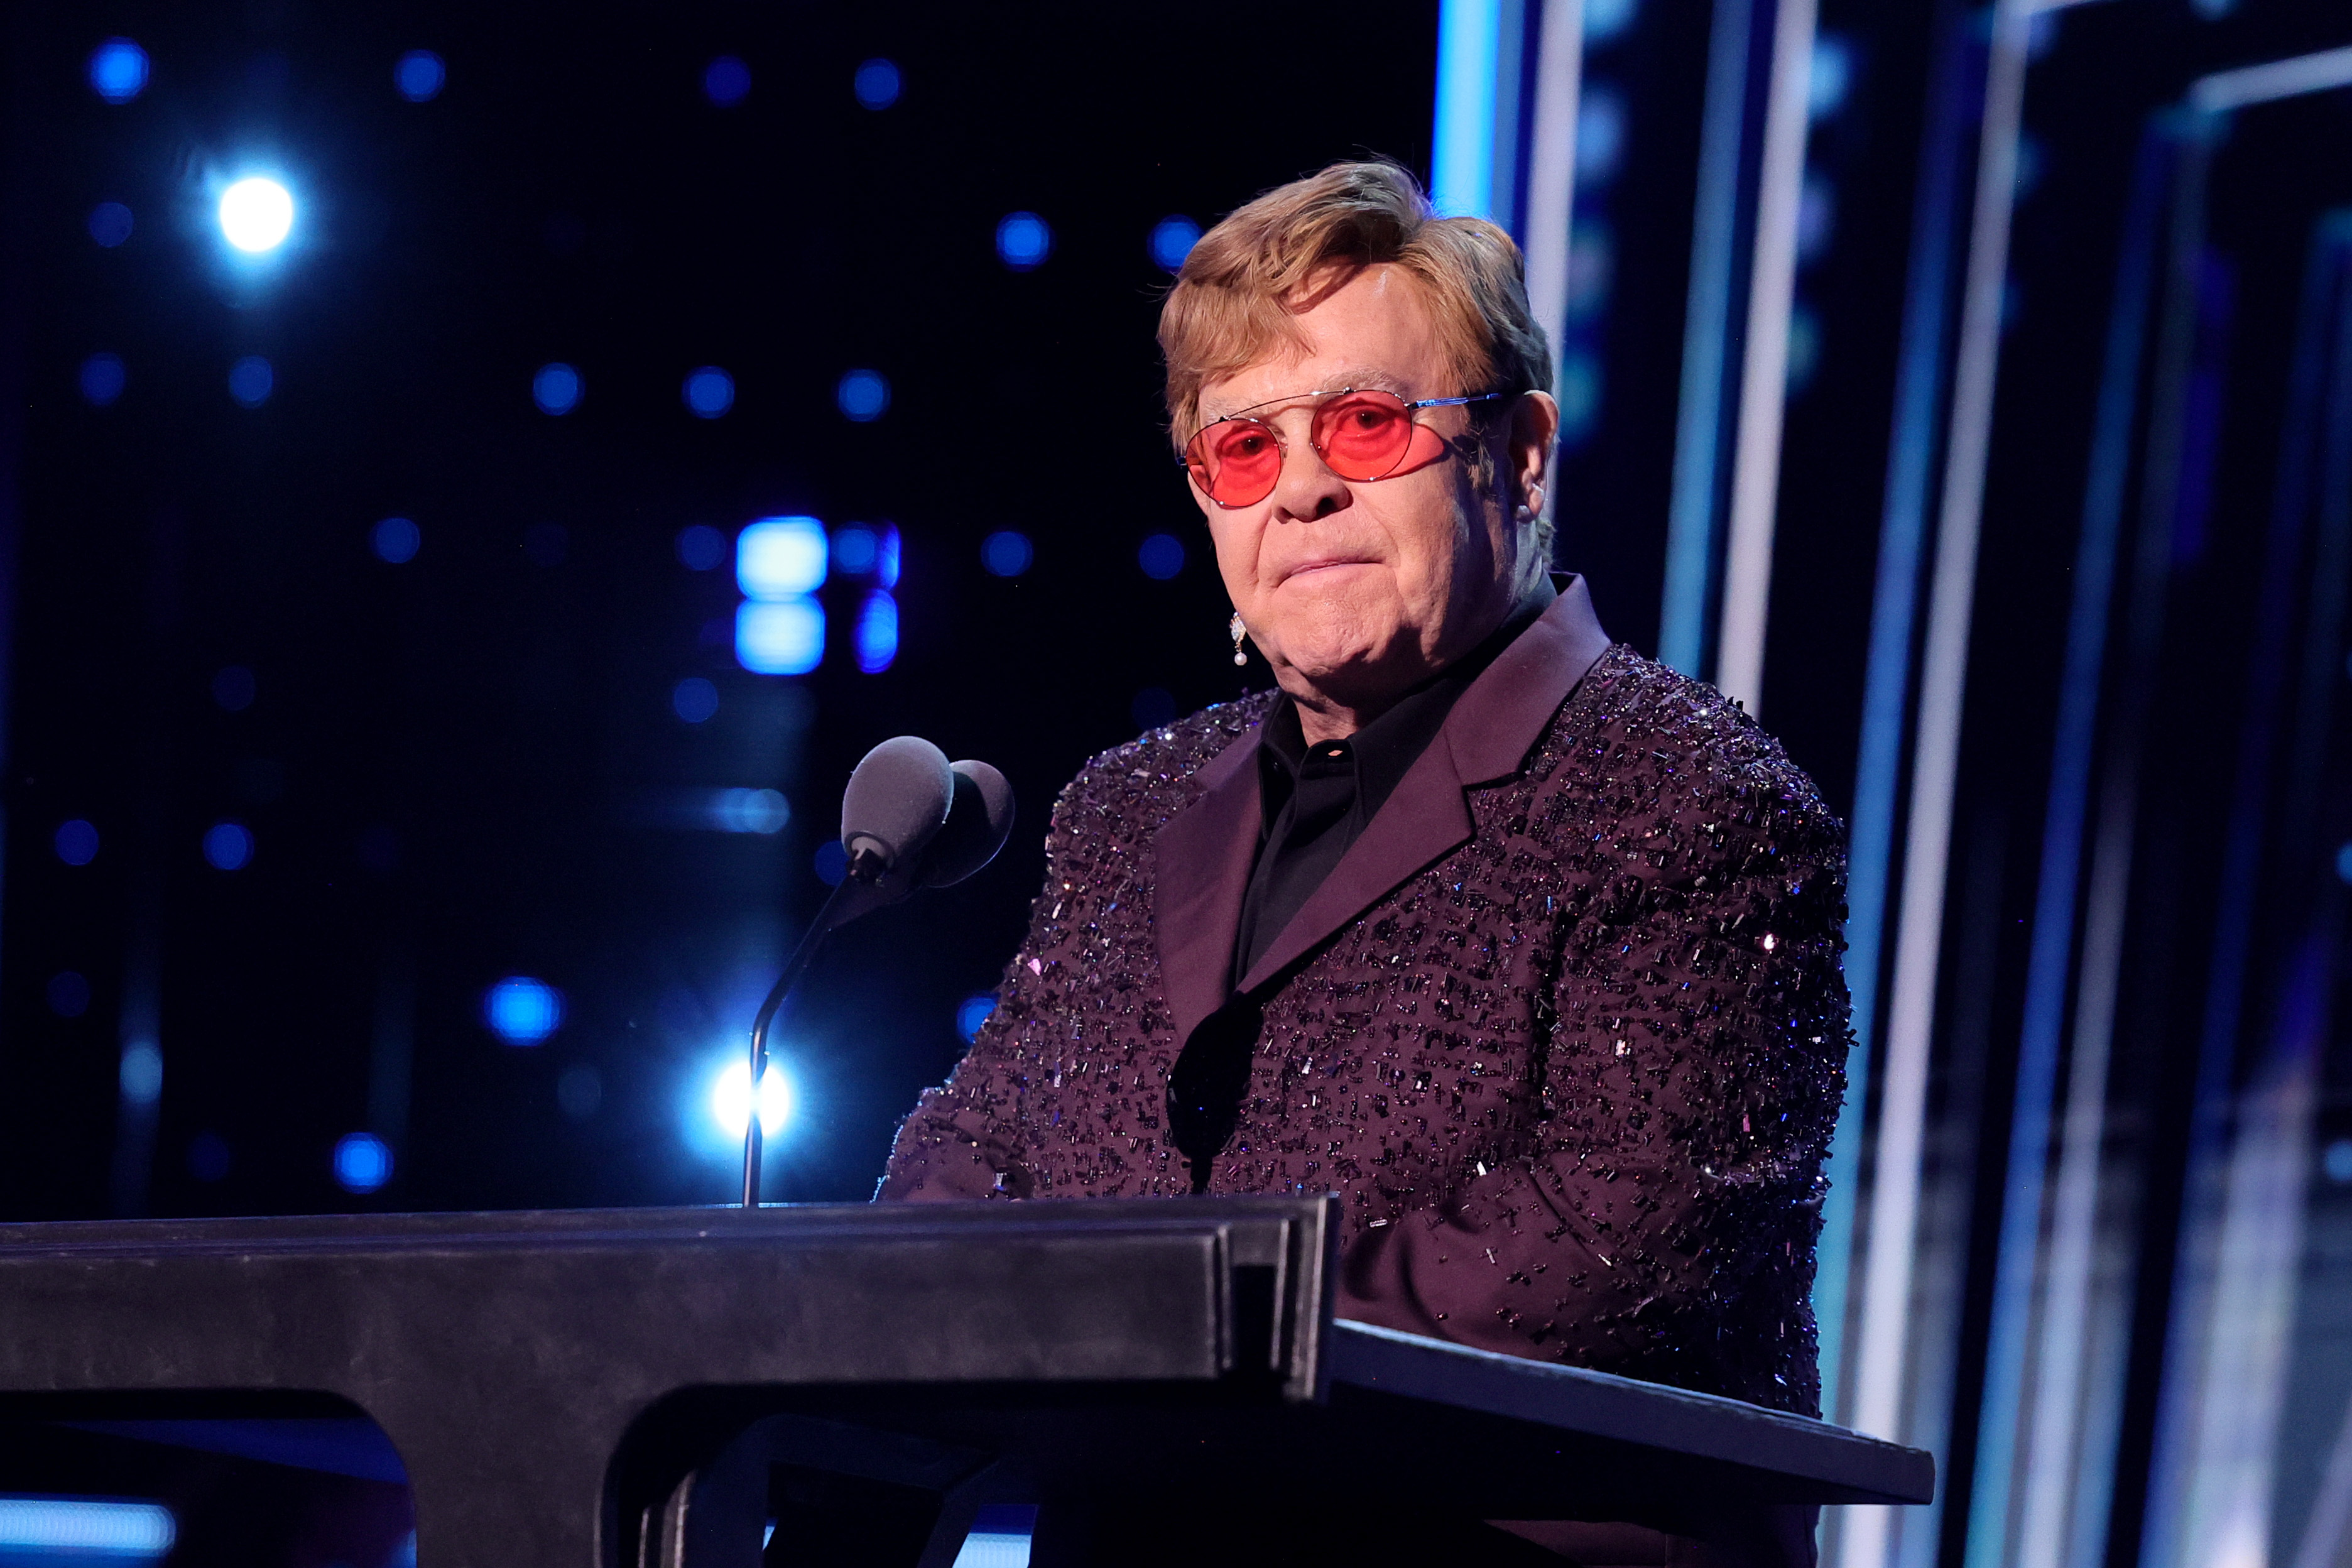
(1355, 590)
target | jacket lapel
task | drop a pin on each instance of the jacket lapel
(1201, 867)
(1488, 736)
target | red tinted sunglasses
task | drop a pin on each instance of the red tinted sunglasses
(1360, 433)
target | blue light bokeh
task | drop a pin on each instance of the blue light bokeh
(396, 539)
(780, 638)
(362, 1162)
(228, 845)
(556, 388)
(110, 224)
(77, 842)
(863, 396)
(68, 993)
(710, 392)
(102, 379)
(972, 1012)
(694, 700)
(700, 547)
(139, 1074)
(1161, 556)
(1006, 553)
(855, 550)
(522, 1011)
(727, 81)
(251, 380)
(1024, 240)
(118, 70)
(831, 862)
(876, 84)
(234, 687)
(781, 557)
(1172, 240)
(419, 76)
(878, 632)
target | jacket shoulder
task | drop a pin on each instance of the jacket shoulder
(1693, 751)
(1157, 767)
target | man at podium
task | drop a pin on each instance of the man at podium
(1525, 946)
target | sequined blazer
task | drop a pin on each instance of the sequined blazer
(1565, 1027)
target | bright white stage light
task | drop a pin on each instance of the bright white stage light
(256, 214)
(730, 1100)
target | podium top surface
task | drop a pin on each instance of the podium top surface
(1090, 1340)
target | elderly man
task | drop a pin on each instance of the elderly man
(1523, 944)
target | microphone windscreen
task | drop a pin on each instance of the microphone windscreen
(979, 821)
(896, 800)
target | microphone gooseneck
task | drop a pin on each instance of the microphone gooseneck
(909, 820)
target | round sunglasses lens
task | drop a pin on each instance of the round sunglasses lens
(1240, 460)
(1363, 435)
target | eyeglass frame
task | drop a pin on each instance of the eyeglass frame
(1410, 407)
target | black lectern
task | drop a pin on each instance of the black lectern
(646, 1388)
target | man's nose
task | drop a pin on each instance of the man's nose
(1307, 488)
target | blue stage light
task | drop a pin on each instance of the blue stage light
(1579, 396)
(760, 811)
(140, 1073)
(522, 1011)
(700, 546)
(102, 1528)
(781, 557)
(1830, 78)
(2344, 863)
(118, 70)
(694, 700)
(1172, 240)
(1024, 241)
(102, 379)
(110, 224)
(228, 845)
(1599, 136)
(234, 687)
(69, 995)
(710, 392)
(885, 557)
(863, 395)
(972, 1012)
(396, 539)
(784, 636)
(1006, 553)
(256, 214)
(419, 76)
(362, 1162)
(855, 550)
(831, 862)
(727, 81)
(251, 380)
(878, 632)
(1605, 19)
(730, 1099)
(77, 842)
(556, 388)
(876, 84)
(1161, 556)
(208, 1156)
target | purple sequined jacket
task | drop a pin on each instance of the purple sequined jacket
(1565, 1027)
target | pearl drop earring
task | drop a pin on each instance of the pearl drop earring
(1239, 632)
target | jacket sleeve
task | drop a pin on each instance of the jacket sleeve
(964, 1139)
(1662, 1222)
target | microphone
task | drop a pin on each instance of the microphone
(909, 819)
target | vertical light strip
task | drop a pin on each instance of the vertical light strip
(1886, 681)
(1894, 1194)
(1462, 165)
(1551, 171)
(1764, 371)
(2051, 952)
(1706, 328)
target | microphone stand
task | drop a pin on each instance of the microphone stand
(860, 891)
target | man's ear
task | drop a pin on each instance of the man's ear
(1534, 428)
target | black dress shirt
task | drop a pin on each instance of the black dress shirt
(1317, 799)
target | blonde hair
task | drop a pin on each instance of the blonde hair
(1239, 292)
